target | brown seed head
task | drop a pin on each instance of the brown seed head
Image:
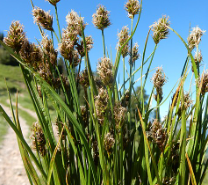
(159, 78)
(53, 2)
(75, 23)
(204, 79)
(15, 36)
(187, 101)
(100, 19)
(158, 134)
(160, 29)
(89, 45)
(109, 142)
(125, 99)
(135, 53)
(132, 7)
(105, 72)
(43, 18)
(84, 115)
(83, 79)
(195, 37)
(123, 36)
(66, 47)
(50, 54)
(198, 57)
(31, 54)
(101, 104)
(39, 141)
(119, 115)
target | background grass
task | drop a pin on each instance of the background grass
(15, 83)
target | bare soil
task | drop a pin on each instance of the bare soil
(12, 171)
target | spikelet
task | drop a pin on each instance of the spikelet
(135, 53)
(119, 115)
(160, 29)
(50, 54)
(159, 80)
(83, 78)
(132, 7)
(204, 81)
(100, 19)
(38, 140)
(195, 37)
(105, 71)
(101, 104)
(123, 36)
(43, 18)
(53, 2)
(15, 36)
(158, 134)
(109, 143)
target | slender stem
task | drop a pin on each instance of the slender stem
(123, 75)
(130, 82)
(103, 36)
(56, 35)
(57, 19)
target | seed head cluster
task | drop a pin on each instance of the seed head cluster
(38, 139)
(135, 53)
(70, 47)
(160, 29)
(101, 104)
(89, 45)
(186, 103)
(31, 54)
(43, 18)
(159, 80)
(100, 19)
(109, 142)
(123, 36)
(15, 36)
(204, 83)
(42, 58)
(83, 78)
(84, 115)
(105, 71)
(53, 2)
(125, 99)
(158, 134)
(195, 37)
(119, 115)
(132, 7)
(50, 53)
(198, 56)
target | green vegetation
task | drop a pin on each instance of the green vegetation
(108, 137)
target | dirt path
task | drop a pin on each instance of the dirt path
(12, 171)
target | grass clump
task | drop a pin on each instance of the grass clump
(109, 138)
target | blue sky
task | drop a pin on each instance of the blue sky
(170, 54)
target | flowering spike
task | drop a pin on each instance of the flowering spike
(43, 18)
(53, 2)
(105, 71)
(101, 18)
(123, 36)
(15, 36)
(132, 7)
(195, 37)
(160, 29)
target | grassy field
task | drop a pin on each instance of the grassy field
(14, 79)
(15, 82)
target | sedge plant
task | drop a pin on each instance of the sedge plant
(104, 140)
